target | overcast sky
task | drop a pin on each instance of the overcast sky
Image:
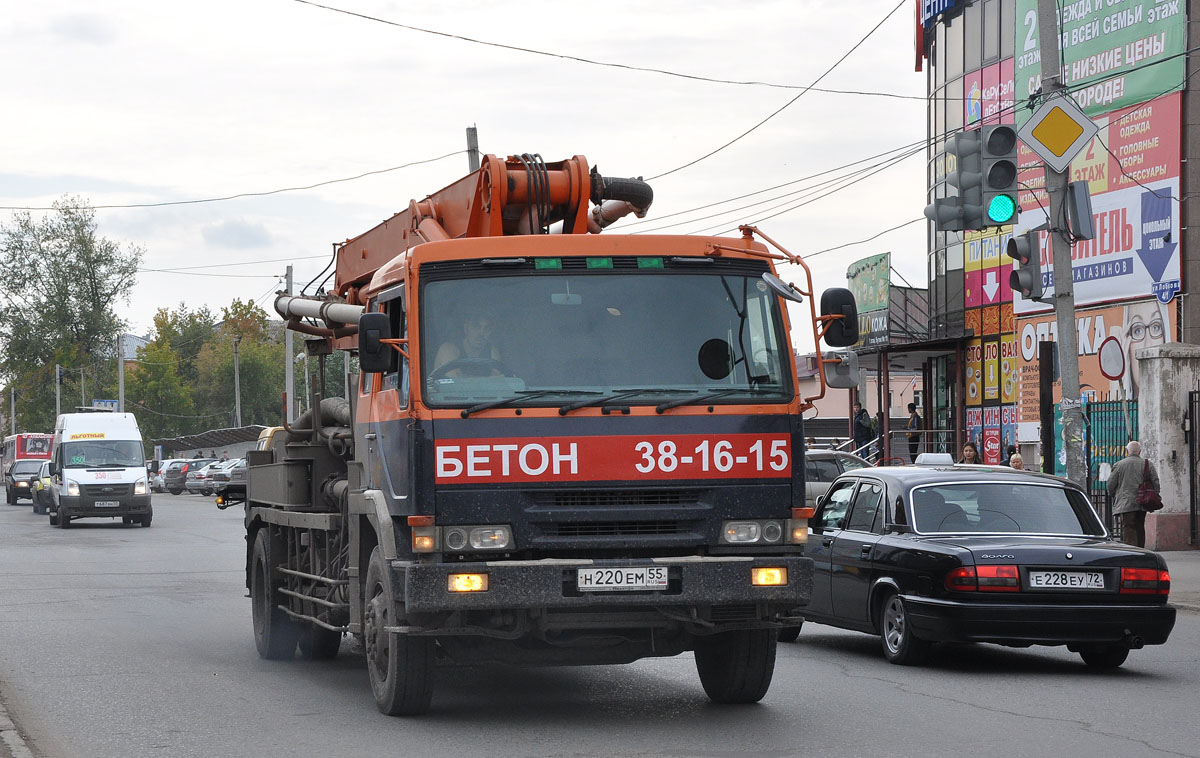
(127, 102)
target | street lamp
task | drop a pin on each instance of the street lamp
(307, 382)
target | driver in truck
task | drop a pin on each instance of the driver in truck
(474, 346)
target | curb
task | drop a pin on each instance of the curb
(10, 738)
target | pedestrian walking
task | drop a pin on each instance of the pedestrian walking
(1127, 475)
(914, 431)
(862, 429)
(970, 454)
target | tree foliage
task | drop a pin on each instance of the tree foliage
(58, 297)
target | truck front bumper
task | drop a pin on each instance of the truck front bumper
(700, 581)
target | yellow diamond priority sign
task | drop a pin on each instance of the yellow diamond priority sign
(1057, 131)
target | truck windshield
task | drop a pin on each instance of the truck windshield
(642, 337)
(92, 453)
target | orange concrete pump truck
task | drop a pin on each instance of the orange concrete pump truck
(562, 447)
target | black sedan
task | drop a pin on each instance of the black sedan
(919, 555)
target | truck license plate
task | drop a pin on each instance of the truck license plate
(1076, 580)
(629, 578)
(108, 503)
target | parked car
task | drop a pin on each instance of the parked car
(233, 475)
(175, 477)
(821, 467)
(157, 483)
(199, 478)
(18, 478)
(41, 489)
(921, 555)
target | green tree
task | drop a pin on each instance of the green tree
(61, 285)
(260, 354)
(186, 331)
(156, 395)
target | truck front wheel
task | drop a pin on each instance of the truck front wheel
(736, 667)
(275, 633)
(400, 666)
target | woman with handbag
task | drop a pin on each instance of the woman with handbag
(1133, 488)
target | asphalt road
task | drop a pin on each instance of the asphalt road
(127, 642)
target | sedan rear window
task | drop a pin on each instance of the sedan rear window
(1002, 507)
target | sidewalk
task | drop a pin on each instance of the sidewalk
(1184, 566)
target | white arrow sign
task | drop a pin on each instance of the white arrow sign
(991, 285)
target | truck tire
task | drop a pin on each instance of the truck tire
(146, 518)
(319, 644)
(274, 631)
(790, 633)
(400, 666)
(64, 521)
(12, 495)
(736, 667)
(53, 518)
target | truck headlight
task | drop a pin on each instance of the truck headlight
(752, 532)
(140, 487)
(490, 537)
(72, 488)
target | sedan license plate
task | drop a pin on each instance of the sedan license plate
(1066, 580)
(628, 578)
(108, 503)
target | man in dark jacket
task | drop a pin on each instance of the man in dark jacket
(862, 429)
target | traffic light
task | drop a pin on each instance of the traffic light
(1026, 276)
(954, 214)
(999, 167)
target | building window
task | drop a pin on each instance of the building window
(991, 31)
(1008, 31)
(972, 37)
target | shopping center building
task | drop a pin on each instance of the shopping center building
(1126, 64)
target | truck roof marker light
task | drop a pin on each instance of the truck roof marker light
(654, 262)
(540, 263)
(599, 263)
(768, 577)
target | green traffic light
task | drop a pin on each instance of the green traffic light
(1001, 209)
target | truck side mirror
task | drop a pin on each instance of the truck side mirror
(839, 301)
(374, 356)
(54, 469)
(843, 374)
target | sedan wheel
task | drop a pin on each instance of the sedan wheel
(899, 644)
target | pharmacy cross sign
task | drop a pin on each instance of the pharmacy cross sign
(1057, 131)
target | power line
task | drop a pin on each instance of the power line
(608, 64)
(238, 263)
(243, 194)
(785, 105)
(862, 241)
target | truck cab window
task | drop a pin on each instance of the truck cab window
(396, 378)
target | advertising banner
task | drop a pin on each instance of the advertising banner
(868, 280)
(1135, 325)
(974, 372)
(989, 95)
(1105, 49)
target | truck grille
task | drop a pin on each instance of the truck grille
(612, 498)
(726, 614)
(615, 529)
(106, 490)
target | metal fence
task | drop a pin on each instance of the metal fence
(1108, 425)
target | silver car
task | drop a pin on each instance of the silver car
(821, 467)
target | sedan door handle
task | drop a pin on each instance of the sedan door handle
(865, 549)
(826, 542)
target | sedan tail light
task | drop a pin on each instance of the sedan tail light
(984, 579)
(1135, 581)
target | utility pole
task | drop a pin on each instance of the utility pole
(82, 390)
(473, 148)
(57, 392)
(12, 414)
(1060, 246)
(120, 373)
(289, 384)
(237, 382)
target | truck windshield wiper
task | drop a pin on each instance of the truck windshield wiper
(619, 394)
(522, 395)
(713, 396)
